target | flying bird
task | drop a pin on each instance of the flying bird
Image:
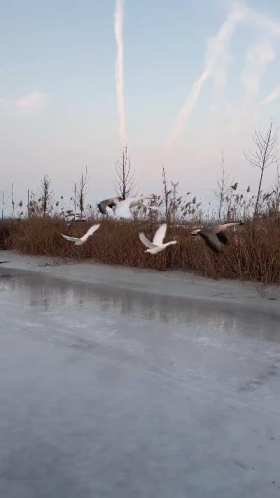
(119, 208)
(79, 241)
(157, 245)
(214, 236)
(110, 203)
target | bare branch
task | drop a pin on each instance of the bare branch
(124, 175)
(264, 155)
(45, 194)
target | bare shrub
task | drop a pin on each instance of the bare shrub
(124, 175)
(81, 193)
(45, 195)
(263, 156)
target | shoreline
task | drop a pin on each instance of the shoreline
(232, 294)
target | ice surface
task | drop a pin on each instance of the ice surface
(108, 391)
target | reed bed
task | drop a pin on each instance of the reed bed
(253, 254)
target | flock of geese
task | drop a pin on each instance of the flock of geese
(117, 208)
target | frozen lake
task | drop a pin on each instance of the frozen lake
(121, 394)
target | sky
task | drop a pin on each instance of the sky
(180, 82)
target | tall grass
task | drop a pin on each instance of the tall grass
(253, 254)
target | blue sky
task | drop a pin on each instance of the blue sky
(58, 93)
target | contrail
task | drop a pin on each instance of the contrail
(119, 15)
(264, 22)
(216, 48)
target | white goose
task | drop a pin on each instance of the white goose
(157, 245)
(79, 241)
(123, 209)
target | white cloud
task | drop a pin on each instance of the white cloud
(274, 95)
(34, 101)
(259, 56)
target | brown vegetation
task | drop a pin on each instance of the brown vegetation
(253, 254)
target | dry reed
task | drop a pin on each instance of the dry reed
(253, 254)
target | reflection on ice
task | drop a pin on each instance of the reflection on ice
(202, 318)
(116, 393)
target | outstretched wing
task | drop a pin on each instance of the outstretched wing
(160, 234)
(135, 201)
(110, 212)
(212, 240)
(123, 209)
(90, 232)
(147, 243)
(222, 237)
(225, 226)
(71, 239)
(111, 203)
